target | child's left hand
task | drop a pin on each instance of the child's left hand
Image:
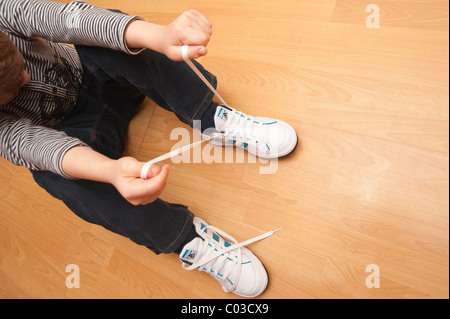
(191, 28)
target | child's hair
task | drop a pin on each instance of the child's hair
(11, 69)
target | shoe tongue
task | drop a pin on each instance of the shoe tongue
(221, 116)
(189, 254)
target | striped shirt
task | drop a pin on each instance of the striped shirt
(42, 31)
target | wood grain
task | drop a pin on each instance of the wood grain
(368, 183)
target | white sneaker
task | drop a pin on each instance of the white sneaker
(235, 267)
(263, 137)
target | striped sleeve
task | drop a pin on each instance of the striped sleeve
(35, 147)
(76, 22)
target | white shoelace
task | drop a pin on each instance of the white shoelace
(178, 151)
(184, 52)
(215, 260)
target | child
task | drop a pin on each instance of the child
(65, 110)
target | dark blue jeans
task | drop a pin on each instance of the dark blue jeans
(114, 85)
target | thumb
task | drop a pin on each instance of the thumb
(158, 182)
(153, 171)
(194, 52)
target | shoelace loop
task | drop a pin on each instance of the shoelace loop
(216, 262)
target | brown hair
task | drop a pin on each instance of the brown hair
(11, 69)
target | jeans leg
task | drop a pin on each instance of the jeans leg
(96, 120)
(160, 226)
(172, 85)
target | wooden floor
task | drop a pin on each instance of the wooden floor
(368, 184)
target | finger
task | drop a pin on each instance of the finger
(194, 20)
(207, 33)
(156, 184)
(194, 36)
(197, 42)
(200, 17)
(202, 26)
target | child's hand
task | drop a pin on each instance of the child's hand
(191, 28)
(124, 174)
(134, 189)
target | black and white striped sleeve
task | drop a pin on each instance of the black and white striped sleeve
(35, 147)
(77, 22)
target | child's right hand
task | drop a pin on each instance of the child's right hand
(124, 173)
(134, 189)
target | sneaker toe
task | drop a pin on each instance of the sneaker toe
(254, 278)
(281, 141)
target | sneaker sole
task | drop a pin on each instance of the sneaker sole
(281, 155)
